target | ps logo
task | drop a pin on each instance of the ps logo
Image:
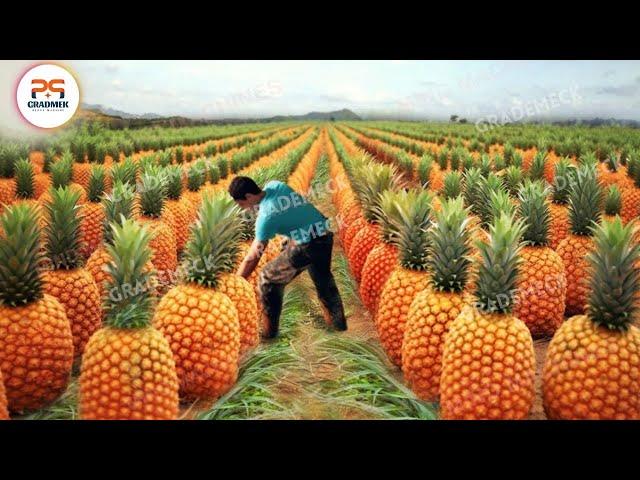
(44, 86)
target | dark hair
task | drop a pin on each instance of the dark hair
(240, 186)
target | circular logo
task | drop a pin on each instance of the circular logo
(48, 96)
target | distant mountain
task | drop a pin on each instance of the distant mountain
(344, 114)
(118, 113)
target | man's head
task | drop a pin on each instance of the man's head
(245, 192)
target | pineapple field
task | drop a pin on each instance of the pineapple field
(484, 275)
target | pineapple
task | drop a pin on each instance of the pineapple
(433, 309)
(117, 204)
(369, 182)
(163, 243)
(128, 371)
(410, 276)
(384, 256)
(592, 367)
(61, 172)
(560, 188)
(67, 279)
(36, 345)
(179, 207)
(585, 198)
(542, 287)
(92, 212)
(488, 362)
(200, 323)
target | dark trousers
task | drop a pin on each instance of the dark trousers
(315, 257)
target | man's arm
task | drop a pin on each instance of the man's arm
(252, 258)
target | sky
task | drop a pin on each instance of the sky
(396, 88)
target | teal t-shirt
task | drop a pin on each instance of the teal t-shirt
(285, 212)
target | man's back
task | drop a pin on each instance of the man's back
(284, 211)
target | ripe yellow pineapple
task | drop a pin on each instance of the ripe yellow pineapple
(36, 345)
(92, 213)
(66, 279)
(585, 199)
(433, 309)
(410, 276)
(592, 367)
(128, 370)
(200, 323)
(542, 285)
(488, 362)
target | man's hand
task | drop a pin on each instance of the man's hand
(250, 262)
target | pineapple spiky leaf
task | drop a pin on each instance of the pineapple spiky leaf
(95, 188)
(62, 229)
(452, 185)
(25, 179)
(498, 268)
(195, 177)
(449, 248)
(62, 171)
(562, 180)
(387, 213)
(414, 217)
(369, 182)
(613, 201)
(129, 302)
(585, 199)
(615, 278)
(153, 192)
(119, 203)
(214, 244)
(125, 172)
(20, 256)
(174, 182)
(534, 210)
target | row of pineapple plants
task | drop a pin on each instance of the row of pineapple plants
(417, 339)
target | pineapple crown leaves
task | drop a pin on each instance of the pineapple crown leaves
(485, 165)
(534, 210)
(9, 155)
(449, 247)
(62, 171)
(62, 229)
(387, 213)
(615, 278)
(196, 176)
(20, 256)
(125, 171)
(562, 180)
(95, 188)
(369, 182)
(513, 178)
(485, 204)
(49, 158)
(129, 302)
(414, 218)
(498, 266)
(25, 179)
(119, 203)
(153, 193)
(214, 173)
(214, 244)
(452, 185)
(536, 172)
(613, 200)
(585, 200)
(517, 160)
(471, 180)
(612, 162)
(173, 175)
(588, 159)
